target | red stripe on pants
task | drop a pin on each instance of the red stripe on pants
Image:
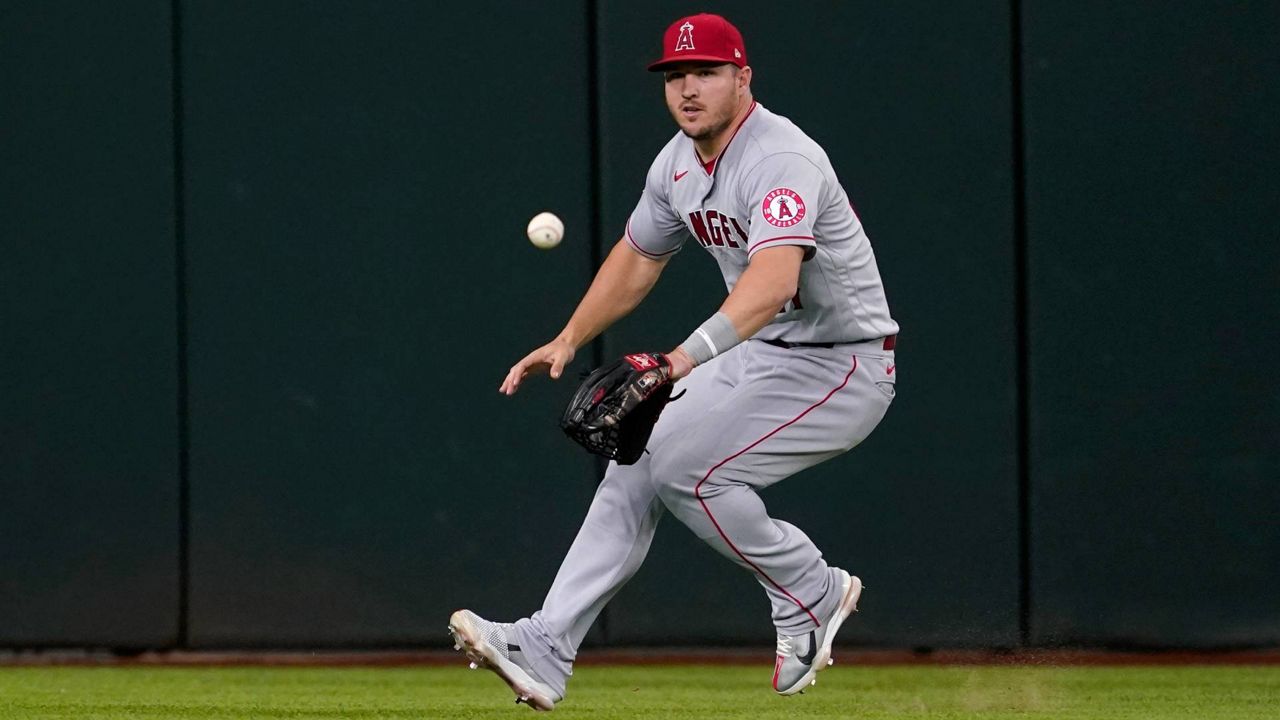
(697, 490)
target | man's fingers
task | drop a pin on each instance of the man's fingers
(512, 381)
(541, 359)
(518, 373)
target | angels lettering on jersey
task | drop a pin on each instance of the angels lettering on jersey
(713, 228)
(782, 207)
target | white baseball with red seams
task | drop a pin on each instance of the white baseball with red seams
(755, 415)
(545, 230)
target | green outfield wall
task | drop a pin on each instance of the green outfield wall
(1153, 202)
(263, 270)
(358, 187)
(89, 362)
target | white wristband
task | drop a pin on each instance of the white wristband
(713, 337)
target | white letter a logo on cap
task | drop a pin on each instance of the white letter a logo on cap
(685, 41)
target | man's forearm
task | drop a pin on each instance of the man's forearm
(624, 279)
(766, 285)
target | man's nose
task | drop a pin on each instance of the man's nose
(689, 89)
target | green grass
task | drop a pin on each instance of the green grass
(669, 693)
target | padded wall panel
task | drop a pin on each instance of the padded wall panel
(360, 179)
(88, 333)
(1153, 205)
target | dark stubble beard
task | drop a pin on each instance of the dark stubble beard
(712, 130)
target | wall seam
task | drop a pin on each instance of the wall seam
(595, 215)
(1021, 316)
(180, 274)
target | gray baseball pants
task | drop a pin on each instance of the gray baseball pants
(750, 417)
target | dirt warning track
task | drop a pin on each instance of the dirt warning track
(637, 656)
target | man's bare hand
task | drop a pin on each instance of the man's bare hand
(553, 357)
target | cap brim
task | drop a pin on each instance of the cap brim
(664, 62)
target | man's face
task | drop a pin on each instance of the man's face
(704, 98)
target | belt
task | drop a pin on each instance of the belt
(789, 345)
(889, 343)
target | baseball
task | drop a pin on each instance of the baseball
(545, 230)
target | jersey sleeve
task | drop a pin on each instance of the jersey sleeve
(654, 230)
(784, 193)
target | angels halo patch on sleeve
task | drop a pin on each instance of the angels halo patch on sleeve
(783, 207)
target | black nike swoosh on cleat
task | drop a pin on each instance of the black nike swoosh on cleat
(813, 650)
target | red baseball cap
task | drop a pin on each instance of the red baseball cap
(705, 37)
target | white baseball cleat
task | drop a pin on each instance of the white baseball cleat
(486, 646)
(801, 657)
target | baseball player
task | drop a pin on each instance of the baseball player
(796, 367)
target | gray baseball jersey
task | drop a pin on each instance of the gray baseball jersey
(771, 185)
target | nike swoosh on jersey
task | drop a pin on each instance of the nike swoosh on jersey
(680, 175)
(890, 369)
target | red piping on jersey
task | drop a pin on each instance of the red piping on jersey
(784, 237)
(697, 490)
(710, 166)
(641, 250)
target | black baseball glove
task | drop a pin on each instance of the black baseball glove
(615, 408)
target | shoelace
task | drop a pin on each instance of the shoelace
(784, 645)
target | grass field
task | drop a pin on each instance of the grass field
(670, 693)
